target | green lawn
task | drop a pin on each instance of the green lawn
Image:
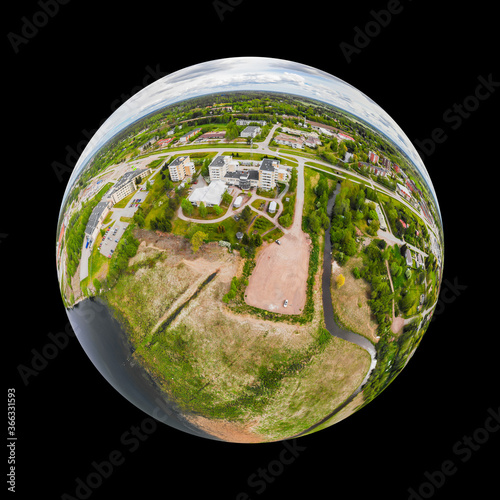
(275, 234)
(261, 225)
(123, 203)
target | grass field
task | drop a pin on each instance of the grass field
(350, 302)
(123, 203)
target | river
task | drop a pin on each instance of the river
(332, 326)
(104, 341)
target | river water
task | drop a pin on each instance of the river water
(332, 326)
(104, 341)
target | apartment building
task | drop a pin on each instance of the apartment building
(180, 168)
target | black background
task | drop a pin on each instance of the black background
(64, 81)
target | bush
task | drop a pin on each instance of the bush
(355, 272)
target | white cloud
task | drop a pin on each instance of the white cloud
(251, 73)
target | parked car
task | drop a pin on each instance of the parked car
(278, 242)
(285, 303)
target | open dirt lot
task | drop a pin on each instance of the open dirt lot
(281, 273)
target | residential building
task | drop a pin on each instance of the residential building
(164, 142)
(210, 195)
(250, 131)
(240, 123)
(408, 257)
(318, 126)
(244, 179)
(403, 191)
(373, 157)
(148, 143)
(282, 175)
(126, 184)
(312, 142)
(180, 168)
(292, 131)
(95, 220)
(386, 162)
(188, 135)
(220, 134)
(288, 140)
(373, 169)
(267, 174)
(263, 176)
(220, 166)
(344, 137)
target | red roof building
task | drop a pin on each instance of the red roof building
(164, 142)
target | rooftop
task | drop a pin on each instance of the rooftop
(177, 161)
(220, 160)
(125, 178)
(267, 164)
(210, 194)
(94, 217)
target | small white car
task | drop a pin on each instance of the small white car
(285, 303)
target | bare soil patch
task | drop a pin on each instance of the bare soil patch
(281, 274)
(227, 431)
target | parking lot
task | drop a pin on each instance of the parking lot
(115, 232)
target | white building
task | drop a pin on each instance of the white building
(267, 174)
(95, 220)
(220, 166)
(288, 140)
(237, 202)
(210, 195)
(272, 207)
(250, 131)
(247, 122)
(180, 168)
(403, 191)
(126, 184)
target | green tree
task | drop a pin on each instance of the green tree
(202, 210)
(227, 198)
(187, 208)
(197, 240)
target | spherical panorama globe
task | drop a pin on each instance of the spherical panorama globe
(249, 249)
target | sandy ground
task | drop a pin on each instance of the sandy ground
(281, 274)
(227, 431)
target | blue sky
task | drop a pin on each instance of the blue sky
(251, 73)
